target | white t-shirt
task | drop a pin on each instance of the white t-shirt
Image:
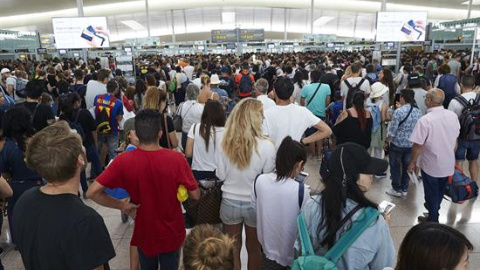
(420, 96)
(266, 101)
(191, 113)
(297, 91)
(456, 107)
(198, 82)
(204, 160)
(277, 207)
(94, 88)
(238, 183)
(189, 72)
(290, 120)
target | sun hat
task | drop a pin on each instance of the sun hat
(214, 79)
(4, 70)
(378, 89)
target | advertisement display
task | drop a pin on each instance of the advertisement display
(401, 26)
(81, 32)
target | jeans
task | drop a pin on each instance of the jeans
(399, 158)
(94, 158)
(434, 188)
(112, 142)
(184, 140)
(167, 261)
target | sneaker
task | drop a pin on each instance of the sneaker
(393, 192)
(380, 175)
(404, 193)
(85, 195)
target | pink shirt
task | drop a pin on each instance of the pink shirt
(437, 132)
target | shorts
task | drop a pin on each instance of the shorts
(468, 149)
(233, 212)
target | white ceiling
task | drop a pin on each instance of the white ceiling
(352, 18)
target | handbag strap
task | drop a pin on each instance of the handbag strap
(314, 94)
(301, 194)
(187, 110)
(166, 132)
(366, 218)
(406, 117)
(343, 221)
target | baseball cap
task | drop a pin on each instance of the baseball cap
(350, 159)
(224, 70)
(4, 70)
(129, 125)
(413, 78)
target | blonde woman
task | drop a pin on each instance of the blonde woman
(157, 100)
(205, 92)
(347, 74)
(244, 152)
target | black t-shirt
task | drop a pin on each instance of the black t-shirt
(41, 113)
(163, 140)
(62, 87)
(80, 89)
(60, 232)
(85, 119)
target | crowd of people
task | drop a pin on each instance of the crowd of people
(233, 134)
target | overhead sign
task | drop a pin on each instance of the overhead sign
(252, 35)
(401, 26)
(81, 32)
(42, 51)
(224, 36)
(238, 35)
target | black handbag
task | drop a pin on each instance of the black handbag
(206, 210)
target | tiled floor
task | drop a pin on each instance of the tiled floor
(404, 216)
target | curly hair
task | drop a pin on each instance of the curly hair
(17, 125)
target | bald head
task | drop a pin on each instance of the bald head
(436, 97)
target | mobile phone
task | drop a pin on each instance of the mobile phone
(301, 177)
(406, 29)
(386, 207)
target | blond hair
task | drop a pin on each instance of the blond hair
(153, 98)
(206, 248)
(348, 73)
(243, 126)
(53, 152)
(205, 80)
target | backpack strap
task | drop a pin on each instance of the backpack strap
(348, 84)
(360, 83)
(366, 218)
(477, 99)
(463, 101)
(301, 194)
(255, 185)
(306, 243)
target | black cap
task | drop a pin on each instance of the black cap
(413, 79)
(356, 160)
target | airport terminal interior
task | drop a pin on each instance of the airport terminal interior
(219, 134)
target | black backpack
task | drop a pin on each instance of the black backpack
(246, 85)
(469, 119)
(352, 90)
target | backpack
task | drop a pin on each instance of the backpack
(103, 113)
(376, 113)
(246, 85)
(335, 112)
(80, 89)
(448, 83)
(75, 125)
(460, 187)
(9, 102)
(20, 88)
(469, 119)
(309, 261)
(352, 90)
(172, 87)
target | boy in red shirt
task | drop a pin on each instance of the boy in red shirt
(151, 175)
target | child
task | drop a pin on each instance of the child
(334, 109)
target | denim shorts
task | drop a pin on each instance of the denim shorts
(233, 212)
(468, 149)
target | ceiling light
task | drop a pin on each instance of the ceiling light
(134, 25)
(228, 17)
(324, 20)
(474, 3)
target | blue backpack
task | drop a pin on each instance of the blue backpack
(246, 85)
(309, 261)
(448, 83)
(376, 113)
(335, 112)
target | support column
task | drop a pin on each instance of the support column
(173, 28)
(285, 24)
(311, 16)
(384, 5)
(469, 9)
(147, 11)
(80, 14)
(399, 54)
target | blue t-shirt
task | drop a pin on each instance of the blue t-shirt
(318, 104)
(117, 110)
(12, 161)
